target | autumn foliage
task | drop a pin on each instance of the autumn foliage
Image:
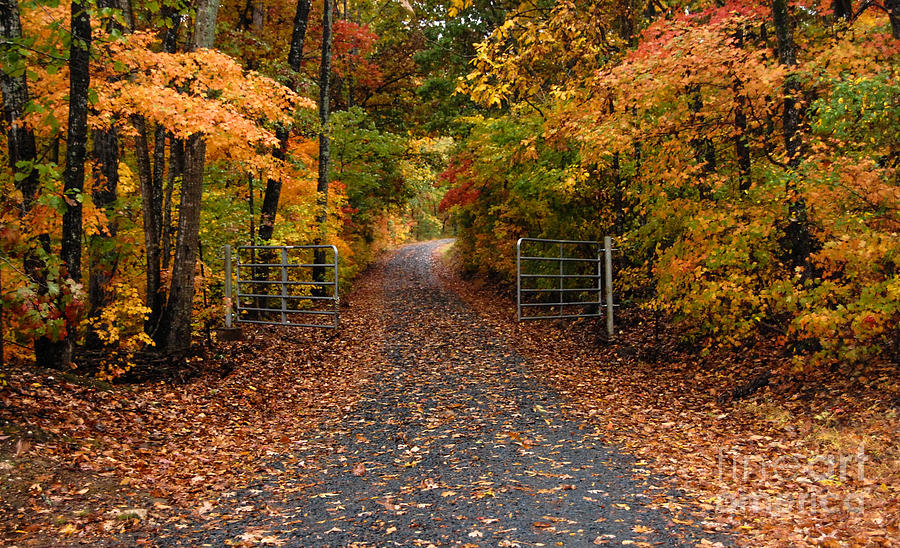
(152, 92)
(668, 132)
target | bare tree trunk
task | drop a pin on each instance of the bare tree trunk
(798, 240)
(176, 155)
(741, 142)
(22, 152)
(893, 9)
(324, 138)
(205, 24)
(843, 10)
(176, 169)
(272, 193)
(174, 335)
(76, 155)
(258, 15)
(741, 139)
(76, 140)
(704, 150)
(324, 115)
(127, 12)
(104, 255)
(20, 137)
(298, 36)
(151, 203)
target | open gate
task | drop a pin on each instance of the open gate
(564, 279)
(282, 285)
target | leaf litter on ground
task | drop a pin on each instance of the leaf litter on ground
(804, 462)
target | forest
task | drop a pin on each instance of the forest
(744, 156)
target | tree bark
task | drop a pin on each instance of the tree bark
(76, 154)
(797, 237)
(298, 36)
(324, 138)
(20, 137)
(176, 154)
(174, 335)
(258, 15)
(176, 169)
(76, 140)
(704, 150)
(272, 193)
(22, 153)
(741, 139)
(893, 9)
(103, 252)
(741, 142)
(205, 24)
(151, 204)
(843, 10)
(104, 256)
(324, 116)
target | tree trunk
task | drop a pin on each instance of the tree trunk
(76, 140)
(843, 10)
(176, 169)
(22, 153)
(127, 12)
(76, 154)
(704, 150)
(741, 139)
(272, 193)
(295, 55)
(324, 138)
(20, 137)
(104, 256)
(617, 190)
(258, 15)
(205, 25)
(618, 196)
(151, 175)
(893, 9)
(741, 143)
(174, 335)
(798, 241)
(151, 203)
(103, 253)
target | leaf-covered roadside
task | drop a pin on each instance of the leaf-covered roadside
(761, 464)
(81, 460)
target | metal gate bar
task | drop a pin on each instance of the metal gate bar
(602, 274)
(288, 303)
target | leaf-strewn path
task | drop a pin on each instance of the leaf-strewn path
(456, 444)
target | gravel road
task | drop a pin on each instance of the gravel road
(456, 445)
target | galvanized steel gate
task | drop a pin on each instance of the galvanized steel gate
(562, 279)
(277, 285)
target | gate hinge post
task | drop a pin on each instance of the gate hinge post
(607, 255)
(229, 332)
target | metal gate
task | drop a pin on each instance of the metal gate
(564, 279)
(282, 285)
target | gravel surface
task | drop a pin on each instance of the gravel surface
(457, 444)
